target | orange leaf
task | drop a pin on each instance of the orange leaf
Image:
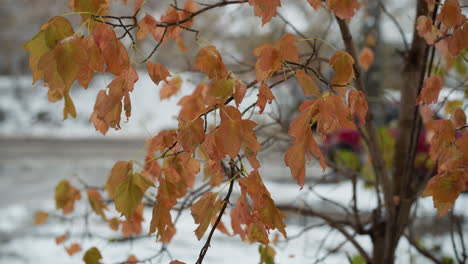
(114, 223)
(431, 89)
(73, 249)
(366, 58)
(458, 41)
(191, 133)
(266, 9)
(235, 132)
(333, 114)
(342, 63)
(209, 61)
(239, 92)
(316, 4)
(308, 85)
(114, 52)
(193, 105)
(450, 15)
(240, 216)
(157, 72)
(458, 118)
(344, 9)
(427, 30)
(170, 88)
(146, 26)
(270, 56)
(132, 225)
(65, 196)
(40, 217)
(204, 210)
(358, 105)
(131, 259)
(176, 262)
(96, 203)
(108, 106)
(264, 95)
(60, 239)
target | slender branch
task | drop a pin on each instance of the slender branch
(220, 215)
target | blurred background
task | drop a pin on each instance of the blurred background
(38, 148)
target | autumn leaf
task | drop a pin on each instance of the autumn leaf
(108, 106)
(96, 203)
(358, 105)
(431, 89)
(344, 9)
(307, 83)
(112, 49)
(117, 175)
(204, 210)
(176, 262)
(270, 56)
(266, 9)
(267, 254)
(191, 133)
(264, 95)
(65, 196)
(193, 105)
(458, 118)
(450, 15)
(333, 114)
(114, 223)
(445, 189)
(263, 206)
(235, 132)
(241, 216)
(132, 225)
(87, 9)
(60, 239)
(427, 30)
(209, 61)
(52, 32)
(316, 4)
(458, 41)
(129, 193)
(366, 58)
(239, 92)
(342, 63)
(92, 256)
(40, 217)
(131, 259)
(170, 88)
(146, 26)
(73, 249)
(157, 72)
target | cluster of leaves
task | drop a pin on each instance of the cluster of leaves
(448, 137)
(60, 56)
